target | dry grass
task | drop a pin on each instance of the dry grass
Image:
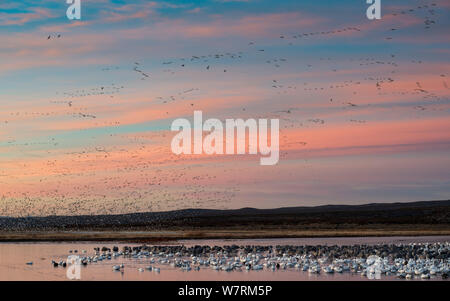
(166, 235)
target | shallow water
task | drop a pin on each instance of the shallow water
(339, 241)
(14, 256)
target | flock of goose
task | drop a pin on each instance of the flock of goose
(404, 261)
(112, 192)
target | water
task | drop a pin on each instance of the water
(14, 256)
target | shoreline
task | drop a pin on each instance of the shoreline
(173, 235)
(426, 218)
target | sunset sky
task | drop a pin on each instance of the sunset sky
(86, 105)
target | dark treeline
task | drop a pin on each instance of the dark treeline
(430, 212)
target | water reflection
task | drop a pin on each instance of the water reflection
(15, 256)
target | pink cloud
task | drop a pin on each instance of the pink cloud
(24, 18)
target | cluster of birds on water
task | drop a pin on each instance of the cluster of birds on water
(404, 261)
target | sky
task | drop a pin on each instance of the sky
(87, 105)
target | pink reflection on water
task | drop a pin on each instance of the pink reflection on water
(14, 256)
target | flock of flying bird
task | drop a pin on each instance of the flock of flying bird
(139, 172)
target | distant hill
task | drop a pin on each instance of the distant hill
(428, 212)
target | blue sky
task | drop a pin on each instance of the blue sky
(81, 127)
